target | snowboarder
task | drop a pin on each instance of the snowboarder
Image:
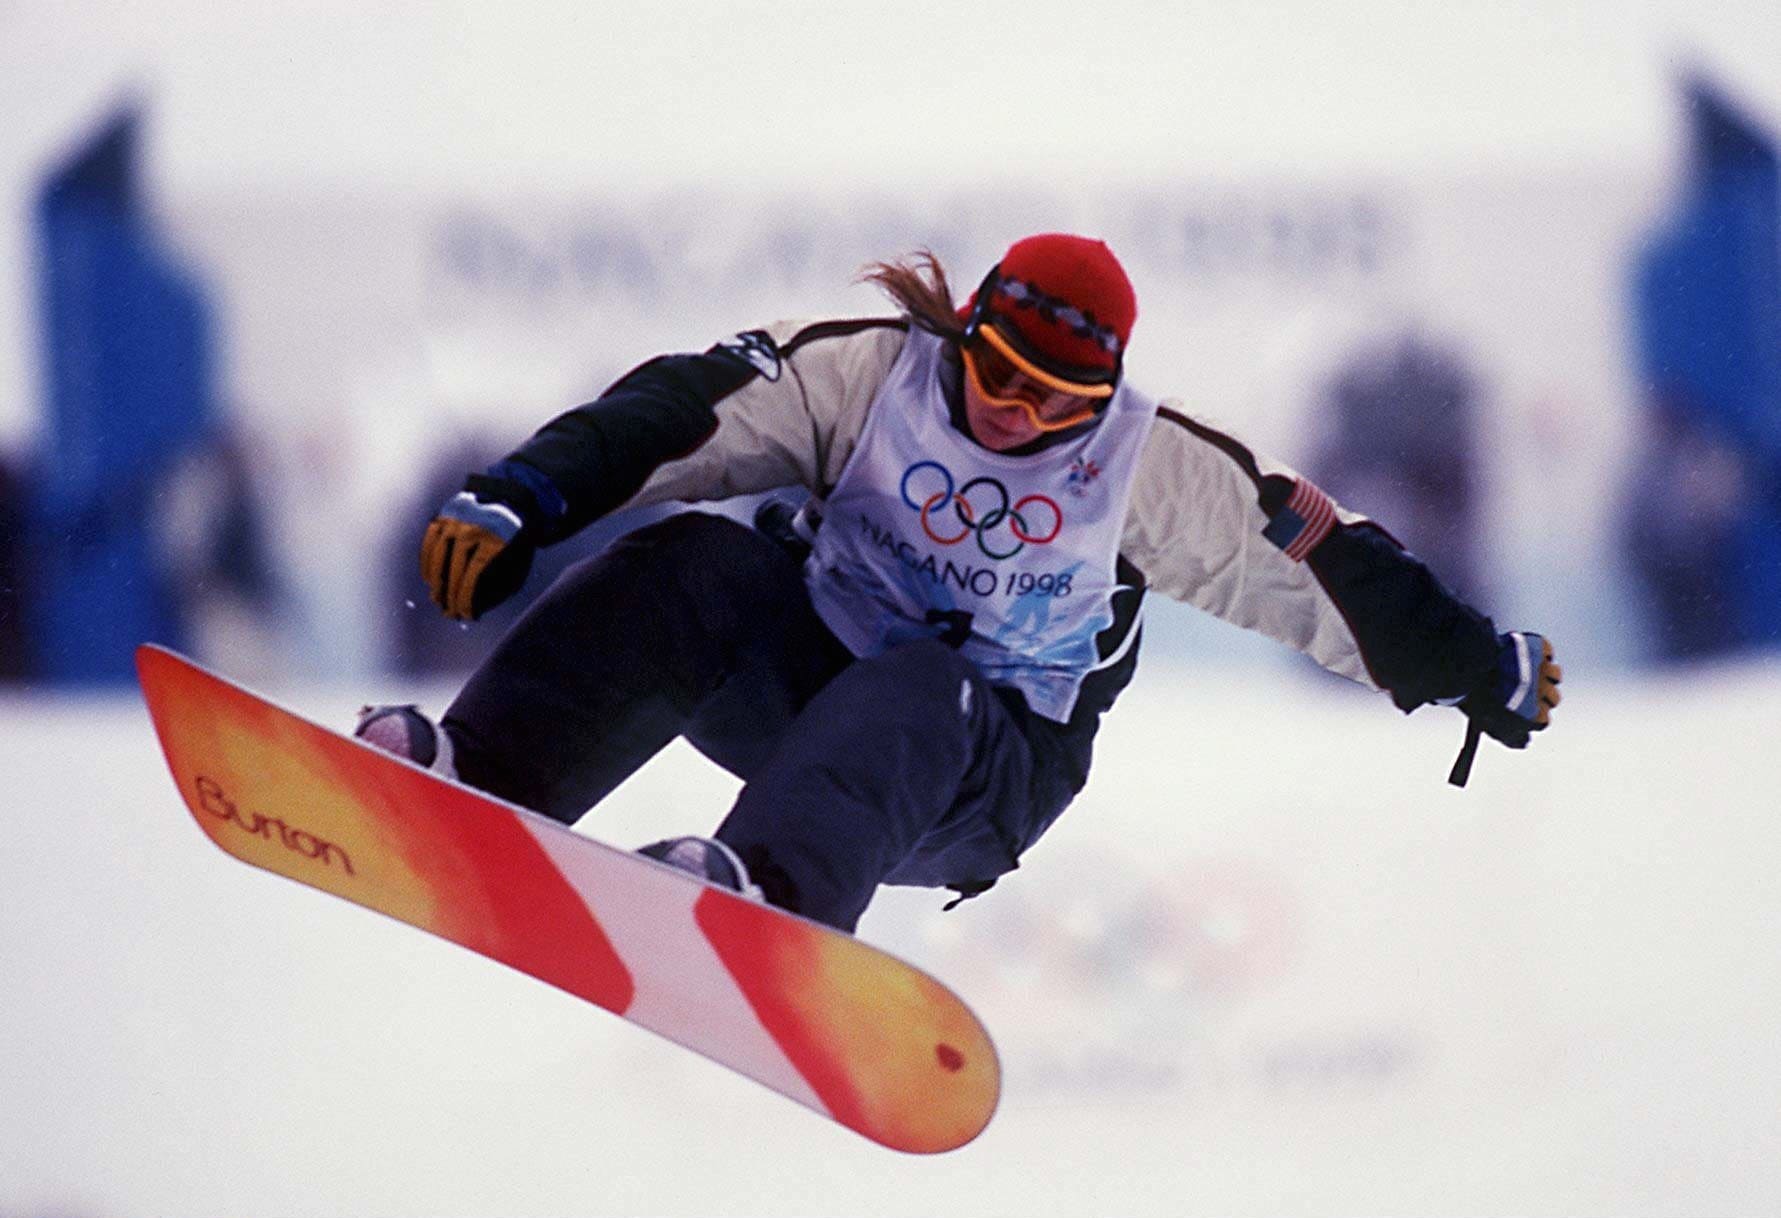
(908, 672)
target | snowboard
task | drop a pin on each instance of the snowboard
(817, 1015)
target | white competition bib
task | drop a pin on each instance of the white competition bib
(1010, 559)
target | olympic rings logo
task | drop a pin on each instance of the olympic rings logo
(979, 508)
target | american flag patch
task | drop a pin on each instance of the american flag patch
(1305, 520)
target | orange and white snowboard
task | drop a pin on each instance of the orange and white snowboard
(816, 1015)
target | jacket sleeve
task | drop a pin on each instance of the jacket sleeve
(1251, 541)
(779, 406)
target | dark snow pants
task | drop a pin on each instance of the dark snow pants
(906, 767)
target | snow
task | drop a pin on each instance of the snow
(1268, 964)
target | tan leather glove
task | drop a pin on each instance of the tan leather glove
(1520, 695)
(1514, 701)
(475, 554)
(1546, 687)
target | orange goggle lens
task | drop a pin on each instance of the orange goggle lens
(1007, 379)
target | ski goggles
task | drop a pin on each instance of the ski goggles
(1009, 377)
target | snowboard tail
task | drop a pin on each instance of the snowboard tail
(817, 1015)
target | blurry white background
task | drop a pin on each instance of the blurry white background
(1240, 977)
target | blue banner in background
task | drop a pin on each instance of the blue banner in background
(128, 356)
(1706, 538)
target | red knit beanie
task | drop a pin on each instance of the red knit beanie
(1068, 298)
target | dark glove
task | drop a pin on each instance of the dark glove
(478, 550)
(1515, 699)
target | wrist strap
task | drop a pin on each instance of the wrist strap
(1462, 765)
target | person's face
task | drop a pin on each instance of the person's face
(997, 428)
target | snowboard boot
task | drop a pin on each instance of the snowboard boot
(405, 732)
(707, 858)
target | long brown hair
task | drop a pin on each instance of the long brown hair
(917, 283)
